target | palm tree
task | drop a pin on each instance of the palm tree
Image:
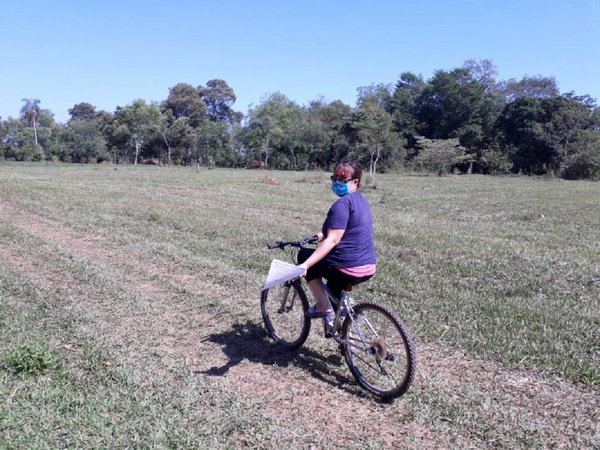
(31, 112)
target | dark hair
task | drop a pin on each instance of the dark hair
(350, 170)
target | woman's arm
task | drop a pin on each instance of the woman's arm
(334, 236)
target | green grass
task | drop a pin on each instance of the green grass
(506, 267)
(121, 287)
(30, 359)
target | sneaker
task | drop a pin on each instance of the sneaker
(314, 314)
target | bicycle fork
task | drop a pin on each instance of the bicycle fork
(284, 306)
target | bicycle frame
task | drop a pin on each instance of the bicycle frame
(344, 309)
(284, 298)
(342, 305)
(377, 346)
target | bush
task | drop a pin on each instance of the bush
(584, 162)
(495, 162)
(584, 165)
(439, 155)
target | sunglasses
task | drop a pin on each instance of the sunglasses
(340, 179)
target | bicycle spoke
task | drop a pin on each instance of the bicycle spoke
(380, 368)
(283, 313)
(378, 350)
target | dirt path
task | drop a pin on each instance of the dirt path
(296, 386)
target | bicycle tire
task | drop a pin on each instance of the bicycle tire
(283, 310)
(383, 361)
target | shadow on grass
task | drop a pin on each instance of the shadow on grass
(250, 342)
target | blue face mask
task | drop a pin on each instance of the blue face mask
(340, 189)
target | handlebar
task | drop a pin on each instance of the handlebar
(300, 244)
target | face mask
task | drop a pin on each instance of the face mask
(340, 189)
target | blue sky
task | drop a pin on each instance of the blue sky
(110, 52)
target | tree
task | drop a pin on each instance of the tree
(377, 94)
(584, 162)
(80, 142)
(403, 105)
(271, 129)
(17, 140)
(211, 142)
(439, 155)
(14, 141)
(534, 87)
(595, 119)
(141, 121)
(450, 102)
(564, 119)
(166, 122)
(31, 112)
(539, 134)
(456, 105)
(219, 97)
(182, 138)
(373, 136)
(185, 101)
(115, 133)
(495, 162)
(83, 111)
(483, 71)
(324, 133)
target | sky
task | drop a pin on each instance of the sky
(111, 52)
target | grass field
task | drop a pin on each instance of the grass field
(130, 317)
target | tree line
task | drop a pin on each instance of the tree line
(462, 119)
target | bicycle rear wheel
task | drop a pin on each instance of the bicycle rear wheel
(283, 308)
(380, 351)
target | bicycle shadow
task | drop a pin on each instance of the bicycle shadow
(249, 341)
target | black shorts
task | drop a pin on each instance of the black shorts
(336, 279)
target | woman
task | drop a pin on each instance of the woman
(346, 253)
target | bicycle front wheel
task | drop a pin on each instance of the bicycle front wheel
(379, 350)
(283, 308)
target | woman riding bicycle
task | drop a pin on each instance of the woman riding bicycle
(376, 345)
(346, 252)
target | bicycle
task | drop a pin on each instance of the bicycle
(377, 346)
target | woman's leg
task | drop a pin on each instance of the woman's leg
(318, 292)
(315, 283)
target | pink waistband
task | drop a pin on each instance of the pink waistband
(359, 271)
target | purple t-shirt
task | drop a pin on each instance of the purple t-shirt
(353, 214)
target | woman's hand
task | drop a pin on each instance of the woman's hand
(305, 267)
(334, 236)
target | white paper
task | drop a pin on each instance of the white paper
(280, 272)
